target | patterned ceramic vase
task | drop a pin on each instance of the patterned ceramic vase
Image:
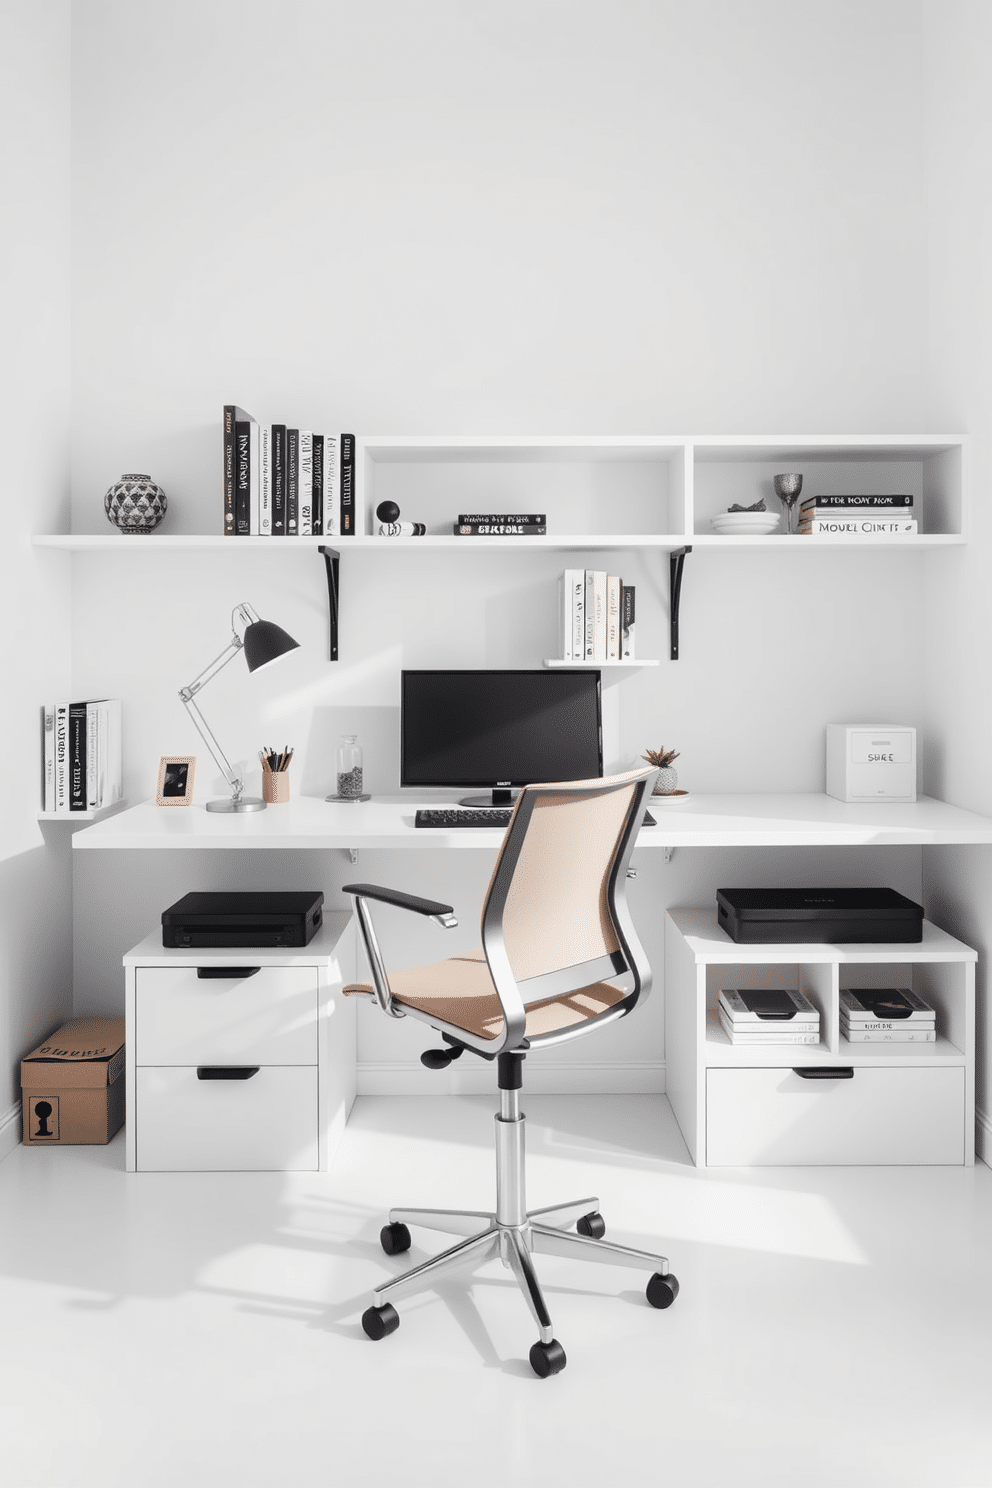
(135, 504)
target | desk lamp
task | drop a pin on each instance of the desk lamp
(261, 642)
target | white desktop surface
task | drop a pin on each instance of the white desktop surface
(387, 822)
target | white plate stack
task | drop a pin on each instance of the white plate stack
(745, 523)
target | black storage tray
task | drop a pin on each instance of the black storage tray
(281, 918)
(818, 916)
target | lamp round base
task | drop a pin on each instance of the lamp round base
(347, 798)
(246, 803)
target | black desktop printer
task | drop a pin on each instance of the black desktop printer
(265, 919)
(818, 916)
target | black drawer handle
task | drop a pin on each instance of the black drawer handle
(226, 1071)
(826, 1072)
(212, 973)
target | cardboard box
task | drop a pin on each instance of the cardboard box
(72, 1085)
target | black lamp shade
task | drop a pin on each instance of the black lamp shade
(264, 642)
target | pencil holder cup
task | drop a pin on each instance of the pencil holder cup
(275, 787)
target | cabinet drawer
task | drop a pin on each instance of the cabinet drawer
(268, 1018)
(884, 1116)
(266, 1122)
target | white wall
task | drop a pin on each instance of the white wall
(958, 618)
(534, 217)
(35, 884)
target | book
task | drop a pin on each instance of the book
(332, 514)
(859, 527)
(48, 757)
(901, 1033)
(317, 521)
(254, 479)
(278, 480)
(108, 786)
(890, 1004)
(613, 586)
(512, 519)
(232, 416)
(347, 486)
(571, 611)
(770, 1033)
(61, 757)
(92, 753)
(292, 482)
(759, 1005)
(628, 615)
(595, 614)
(242, 477)
(494, 529)
(812, 503)
(265, 481)
(304, 484)
(77, 756)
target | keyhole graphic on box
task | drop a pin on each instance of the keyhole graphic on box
(43, 1109)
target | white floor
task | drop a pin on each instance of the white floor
(833, 1325)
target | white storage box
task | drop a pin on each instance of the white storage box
(871, 762)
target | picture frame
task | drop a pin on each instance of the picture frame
(175, 780)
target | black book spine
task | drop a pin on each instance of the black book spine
(627, 607)
(77, 757)
(487, 529)
(317, 503)
(292, 482)
(242, 494)
(347, 485)
(277, 455)
(230, 480)
(879, 502)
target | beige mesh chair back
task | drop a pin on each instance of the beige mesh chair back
(559, 958)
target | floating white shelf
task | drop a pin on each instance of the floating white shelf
(87, 542)
(72, 817)
(589, 666)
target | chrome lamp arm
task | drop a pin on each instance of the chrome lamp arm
(245, 615)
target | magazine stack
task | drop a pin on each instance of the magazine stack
(759, 1016)
(888, 1015)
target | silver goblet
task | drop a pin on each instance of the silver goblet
(787, 488)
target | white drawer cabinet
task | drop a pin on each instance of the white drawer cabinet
(830, 1103)
(239, 1059)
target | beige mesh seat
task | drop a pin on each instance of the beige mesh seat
(559, 959)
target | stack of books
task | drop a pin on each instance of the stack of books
(892, 1015)
(81, 755)
(283, 482)
(501, 524)
(768, 1016)
(858, 516)
(596, 616)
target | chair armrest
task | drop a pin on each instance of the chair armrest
(443, 913)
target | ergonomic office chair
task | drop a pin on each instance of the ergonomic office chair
(559, 958)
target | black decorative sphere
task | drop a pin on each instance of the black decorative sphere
(387, 511)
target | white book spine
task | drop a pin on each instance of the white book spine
(93, 755)
(766, 1036)
(254, 482)
(599, 614)
(305, 483)
(265, 479)
(573, 585)
(589, 613)
(613, 617)
(903, 1036)
(114, 790)
(564, 618)
(332, 511)
(859, 527)
(61, 756)
(48, 757)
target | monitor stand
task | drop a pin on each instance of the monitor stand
(498, 798)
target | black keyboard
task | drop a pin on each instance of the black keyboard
(470, 816)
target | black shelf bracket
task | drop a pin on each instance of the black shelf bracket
(332, 558)
(676, 559)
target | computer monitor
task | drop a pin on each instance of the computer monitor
(499, 729)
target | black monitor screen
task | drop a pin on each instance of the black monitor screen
(499, 729)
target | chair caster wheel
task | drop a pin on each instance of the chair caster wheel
(662, 1290)
(547, 1358)
(394, 1238)
(379, 1322)
(593, 1225)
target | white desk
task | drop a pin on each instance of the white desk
(387, 822)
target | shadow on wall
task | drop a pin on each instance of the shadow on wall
(36, 962)
(378, 731)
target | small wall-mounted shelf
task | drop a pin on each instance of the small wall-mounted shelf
(90, 815)
(596, 666)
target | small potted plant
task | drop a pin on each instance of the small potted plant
(668, 777)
